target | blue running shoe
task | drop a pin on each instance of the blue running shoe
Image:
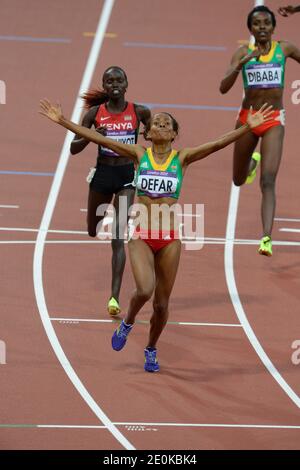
(151, 363)
(119, 337)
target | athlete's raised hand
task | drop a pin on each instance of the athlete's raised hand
(287, 11)
(51, 111)
(259, 117)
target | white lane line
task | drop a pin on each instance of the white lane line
(212, 425)
(281, 219)
(45, 223)
(184, 241)
(179, 425)
(3, 206)
(233, 291)
(143, 322)
(205, 240)
(66, 426)
(294, 230)
(235, 298)
(21, 229)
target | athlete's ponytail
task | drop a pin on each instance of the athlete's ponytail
(94, 97)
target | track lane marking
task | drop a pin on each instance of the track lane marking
(44, 227)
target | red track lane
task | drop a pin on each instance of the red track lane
(209, 374)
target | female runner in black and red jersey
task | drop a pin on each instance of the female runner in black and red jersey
(111, 114)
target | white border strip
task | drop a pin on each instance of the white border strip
(235, 299)
(44, 227)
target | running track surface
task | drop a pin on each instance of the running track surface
(213, 391)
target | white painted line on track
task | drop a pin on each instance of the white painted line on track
(44, 227)
(205, 240)
(177, 425)
(208, 241)
(293, 230)
(235, 298)
(3, 206)
(212, 425)
(145, 322)
(281, 219)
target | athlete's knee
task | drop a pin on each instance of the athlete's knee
(267, 181)
(160, 307)
(94, 225)
(92, 231)
(117, 244)
(238, 181)
(144, 293)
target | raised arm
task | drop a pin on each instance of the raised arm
(288, 10)
(54, 113)
(190, 155)
(239, 58)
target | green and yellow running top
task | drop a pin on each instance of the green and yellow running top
(266, 71)
(155, 180)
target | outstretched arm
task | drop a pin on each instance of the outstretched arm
(191, 155)
(54, 113)
(288, 10)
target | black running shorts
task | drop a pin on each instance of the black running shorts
(110, 179)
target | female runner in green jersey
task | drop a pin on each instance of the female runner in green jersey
(154, 251)
(262, 65)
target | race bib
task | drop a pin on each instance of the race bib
(157, 183)
(264, 75)
(122, 137)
